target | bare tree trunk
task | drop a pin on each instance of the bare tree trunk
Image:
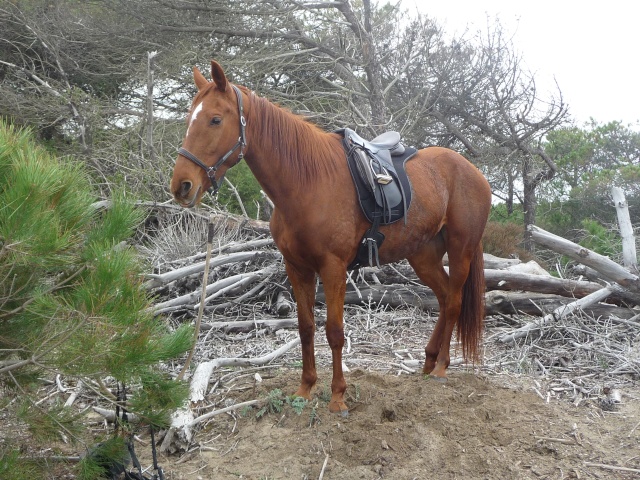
(150, 72)
(529, 202)
(629, 256)
(371, 64)
(510, 194)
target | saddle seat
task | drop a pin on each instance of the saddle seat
(386, 141)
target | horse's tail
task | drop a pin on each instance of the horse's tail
(471, 321)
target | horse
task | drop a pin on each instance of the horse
(317, 223)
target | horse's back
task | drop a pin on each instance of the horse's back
(449, 194)
(439, 174)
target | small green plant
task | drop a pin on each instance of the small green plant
(245, 411)
(603, 362)
(274, 403)
(524, 366)
(356, 395)
(297, 403)
(325, 395)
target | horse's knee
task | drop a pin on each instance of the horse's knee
(306, 331)
(335, 337)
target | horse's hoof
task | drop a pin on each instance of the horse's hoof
(339, 407)
(428, 367)
(437, 379)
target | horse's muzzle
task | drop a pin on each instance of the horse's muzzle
(182, 195)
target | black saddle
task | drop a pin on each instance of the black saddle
(384, 190)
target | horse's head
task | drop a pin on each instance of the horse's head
(215, 137)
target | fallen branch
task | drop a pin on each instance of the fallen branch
(224, 283)
(559, 313)
(173, 275)
(496, 302)
(202, 374)
(110, 415)
(183, 420)
(212, 414)
(508, 280)
(608, 268)
(243, 326)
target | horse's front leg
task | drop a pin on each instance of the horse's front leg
(333, 279)
(303, 284)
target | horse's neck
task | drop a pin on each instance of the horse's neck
(287, 155)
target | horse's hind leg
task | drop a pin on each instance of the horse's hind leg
(461, 253)
(303, 284)
(427, 264)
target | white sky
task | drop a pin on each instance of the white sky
(591, 48)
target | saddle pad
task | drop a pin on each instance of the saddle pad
(366, 197)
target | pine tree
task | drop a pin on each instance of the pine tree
(72, 301)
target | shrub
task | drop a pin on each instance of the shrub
(72, 300)
(504, 239)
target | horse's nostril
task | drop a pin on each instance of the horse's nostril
(185, 188)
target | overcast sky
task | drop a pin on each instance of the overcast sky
(592, 49)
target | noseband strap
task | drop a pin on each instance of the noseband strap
(241, 143)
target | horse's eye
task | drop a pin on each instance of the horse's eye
(215, 121)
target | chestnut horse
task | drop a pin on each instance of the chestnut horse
(317, 223)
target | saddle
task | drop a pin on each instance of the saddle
(384, 190)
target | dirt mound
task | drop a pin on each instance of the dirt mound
(411, 427)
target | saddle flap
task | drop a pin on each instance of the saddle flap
(363, 162)
(381, 181)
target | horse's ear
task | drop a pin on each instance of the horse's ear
(201, 82)
(218, 76)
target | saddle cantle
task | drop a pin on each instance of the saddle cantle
(384, 190)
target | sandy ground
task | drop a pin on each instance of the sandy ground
(474, 426)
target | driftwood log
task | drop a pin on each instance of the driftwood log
(622, 279)
(609, 269)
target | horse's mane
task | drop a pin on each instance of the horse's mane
(304, 149)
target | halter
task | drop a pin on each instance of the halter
(241, 143)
